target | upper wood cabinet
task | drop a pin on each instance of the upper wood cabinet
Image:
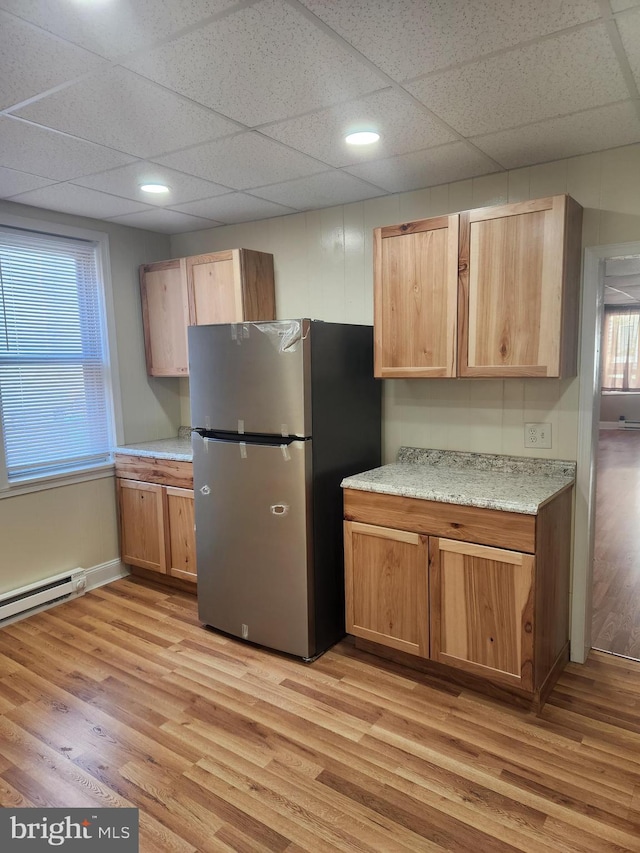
(491, 292)
(415, 292)
(219, 287)
(165, 316)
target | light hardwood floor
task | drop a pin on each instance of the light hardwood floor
(616, 568)
(121, 698)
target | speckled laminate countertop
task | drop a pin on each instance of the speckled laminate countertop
(177, 448)
(508, 483)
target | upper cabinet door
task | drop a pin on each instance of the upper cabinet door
(230, 287)
(519, 280)
(214, 291)
(165, 316)
(415, 298)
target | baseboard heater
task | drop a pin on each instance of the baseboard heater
(632, 424)
(18, 603)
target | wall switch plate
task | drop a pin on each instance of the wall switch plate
(537, 435)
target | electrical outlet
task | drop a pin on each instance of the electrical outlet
(537, 435)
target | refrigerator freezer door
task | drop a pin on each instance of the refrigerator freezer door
(253, 541)
(251, 377)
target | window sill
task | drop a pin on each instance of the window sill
(55, 481)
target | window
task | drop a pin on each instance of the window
(55, 398)
(620, 349)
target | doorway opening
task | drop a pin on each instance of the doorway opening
(600, 457)
(615, 626)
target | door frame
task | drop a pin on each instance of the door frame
(587, 449)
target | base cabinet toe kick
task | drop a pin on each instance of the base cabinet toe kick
(479, 596)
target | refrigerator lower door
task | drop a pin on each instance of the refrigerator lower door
(253, 536)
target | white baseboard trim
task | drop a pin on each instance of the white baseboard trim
(610, 425)
(106, 573)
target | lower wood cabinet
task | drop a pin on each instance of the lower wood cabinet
(142, 539)
(482, 618)
(387, 592)
(495, 614)
(179, 526)
(157, 518)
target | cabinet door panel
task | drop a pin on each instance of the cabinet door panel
(216, 292)
(482, 610)
(415, 290)
(181, 556)
(512, 273)
(142, 525)
(386, 586)
(165, 313)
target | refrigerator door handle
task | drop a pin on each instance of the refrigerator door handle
(280, 509)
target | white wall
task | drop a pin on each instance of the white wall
(323, 264)
(61, 528)
(615, 406)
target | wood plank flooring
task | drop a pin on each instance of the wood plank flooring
(616, 568)
(121, 698)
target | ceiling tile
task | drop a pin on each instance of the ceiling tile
(116, 27)
(164, 221)
(402, 124)
(23, 78)
(81, 201)
(621, 5)
(567, 136)
(410, 37)
(246, 160)
(625, 284)
(127, 112)
(621, 295)
(28, 148)
(427, 168)
(126, 182)
(325, 190)
(235, 207)
(629, 28)
(558, 75)
(12, 182)
(263, 63)
(621, 267)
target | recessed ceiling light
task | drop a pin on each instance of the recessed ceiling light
(154, 188)
(362, 137)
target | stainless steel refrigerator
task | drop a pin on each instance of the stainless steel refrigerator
(281, 411)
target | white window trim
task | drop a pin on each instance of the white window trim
(101, 239)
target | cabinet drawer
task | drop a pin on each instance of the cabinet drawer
(511, 530)
(167, 472)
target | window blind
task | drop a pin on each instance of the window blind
(53, 377)
(621, 348)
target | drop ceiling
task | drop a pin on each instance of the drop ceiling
(622, 281)
(241, 107)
